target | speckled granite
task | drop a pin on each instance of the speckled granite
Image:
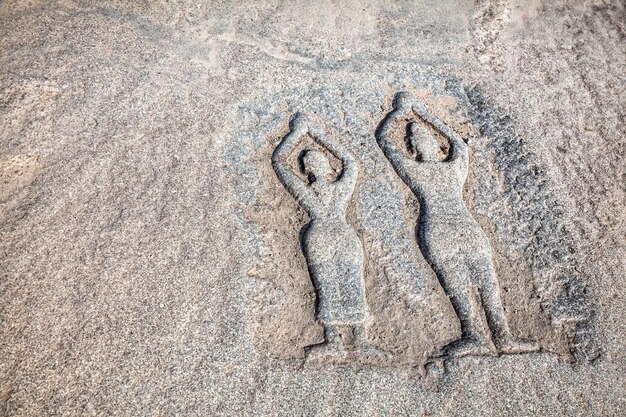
(152, 262)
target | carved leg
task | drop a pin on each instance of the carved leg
(494, 310)
(334, 347)
(458, 282)
(365, 349)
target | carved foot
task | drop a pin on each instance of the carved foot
(333, 350)
(472, 348)
(326, 353)
(371, 354)
(364, 351)
(514, 346)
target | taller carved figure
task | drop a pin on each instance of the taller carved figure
(333, 251)
(450, 239)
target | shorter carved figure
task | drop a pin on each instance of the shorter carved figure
(450, 239)
(333, 251)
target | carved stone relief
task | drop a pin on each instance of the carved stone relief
(450, 239)
(364, 297)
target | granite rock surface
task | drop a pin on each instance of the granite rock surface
(157, 257)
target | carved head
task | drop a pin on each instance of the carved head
(402, 100)
(315, 163)
(423, 142)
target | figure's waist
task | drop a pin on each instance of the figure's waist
(456, 216)
(452, 203)
(328, 219)
(444, 240)
(451, 226)
(330, 229)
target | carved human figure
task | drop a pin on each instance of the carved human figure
(333, 251)
(450, 239)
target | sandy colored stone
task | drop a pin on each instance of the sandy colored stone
(150, 261)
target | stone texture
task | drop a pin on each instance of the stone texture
(149, 256)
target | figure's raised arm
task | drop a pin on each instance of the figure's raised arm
(401, 107)
(294, 184)
(458, 147)
(458, 151)
(298, 126)
(350, 169)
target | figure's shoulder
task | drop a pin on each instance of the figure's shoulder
(424, 167)
(433, 170)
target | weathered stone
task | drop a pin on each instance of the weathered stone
(162, 253)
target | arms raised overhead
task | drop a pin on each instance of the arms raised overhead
(295, 185)
(401, 108)
(457, 144)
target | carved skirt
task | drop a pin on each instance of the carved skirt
(334, 256)
(440, 241)
(460, 253)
